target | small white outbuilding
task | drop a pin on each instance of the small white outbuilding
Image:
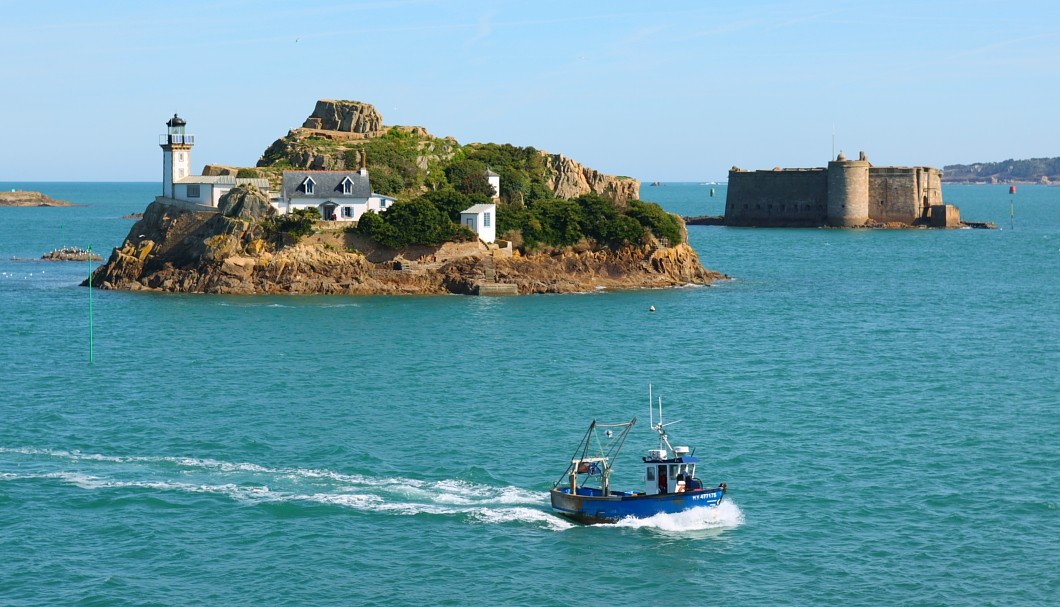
(482, 219)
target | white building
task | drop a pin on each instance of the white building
(482, 219)
(177, 181)
(338, 195)
(495, 183)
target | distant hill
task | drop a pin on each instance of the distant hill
(1034, 170)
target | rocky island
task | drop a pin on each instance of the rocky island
(71, 254)
(560, 227)
(21, 198)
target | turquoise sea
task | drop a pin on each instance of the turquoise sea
(884, 406)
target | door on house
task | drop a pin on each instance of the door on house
(328, 213)
(471, 223)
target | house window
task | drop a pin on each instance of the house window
(347, 211)
(309, 186)
(485, 220)
(193, 191)
(382, 203)
(347, 186)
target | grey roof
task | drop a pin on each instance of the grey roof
(221, 179)
(260, 183)
(479, 208)
(490, 173)
(328, 184)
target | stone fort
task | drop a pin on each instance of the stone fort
(848, 193)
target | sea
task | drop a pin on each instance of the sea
(883, 405)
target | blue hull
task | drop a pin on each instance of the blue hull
(590, 506)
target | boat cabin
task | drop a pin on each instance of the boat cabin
(663, 474)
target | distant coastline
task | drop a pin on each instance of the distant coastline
(1045, 171)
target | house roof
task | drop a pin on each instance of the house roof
(479, 208)
(490, 173)
(328, 184)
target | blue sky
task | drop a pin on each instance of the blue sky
(670, 91)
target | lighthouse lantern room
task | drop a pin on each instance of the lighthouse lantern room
(176, 154)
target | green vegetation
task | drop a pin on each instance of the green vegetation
(559, 223)
(417, 221)
(247, 174)
(294, 225)
(523, 171)
(392, 161)
(436, 179)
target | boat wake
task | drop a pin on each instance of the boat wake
(171, 478)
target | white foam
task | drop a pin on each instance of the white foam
(521, 515)
(254, 483)
(726, 515)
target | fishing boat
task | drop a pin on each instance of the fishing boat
(584, 494)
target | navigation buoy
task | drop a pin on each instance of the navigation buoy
(1011, 189)
(651, 309)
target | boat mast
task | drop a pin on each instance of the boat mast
(664, 440)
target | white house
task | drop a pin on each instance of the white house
(177, 181)
(482, 219)
(338, 195)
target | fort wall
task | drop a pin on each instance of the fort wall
(903, 194)
(781, 197)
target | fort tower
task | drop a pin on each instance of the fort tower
(848, 191)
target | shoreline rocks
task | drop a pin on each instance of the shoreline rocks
(183, 251)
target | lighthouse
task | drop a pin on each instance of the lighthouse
(176, 154)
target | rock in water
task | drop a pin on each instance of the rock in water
(21, 198)
(71, 254)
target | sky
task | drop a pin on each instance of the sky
(660, 91)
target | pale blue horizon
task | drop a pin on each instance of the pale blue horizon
(677, 92)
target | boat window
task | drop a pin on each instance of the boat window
(673, 470)
(651, 473)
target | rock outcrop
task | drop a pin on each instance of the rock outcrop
(246, 201)
(570, 179)
(219, 170)
(345, 116)
(178, 250)
(20, 198)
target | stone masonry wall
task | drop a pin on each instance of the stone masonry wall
(903, 194)
(781, 197)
